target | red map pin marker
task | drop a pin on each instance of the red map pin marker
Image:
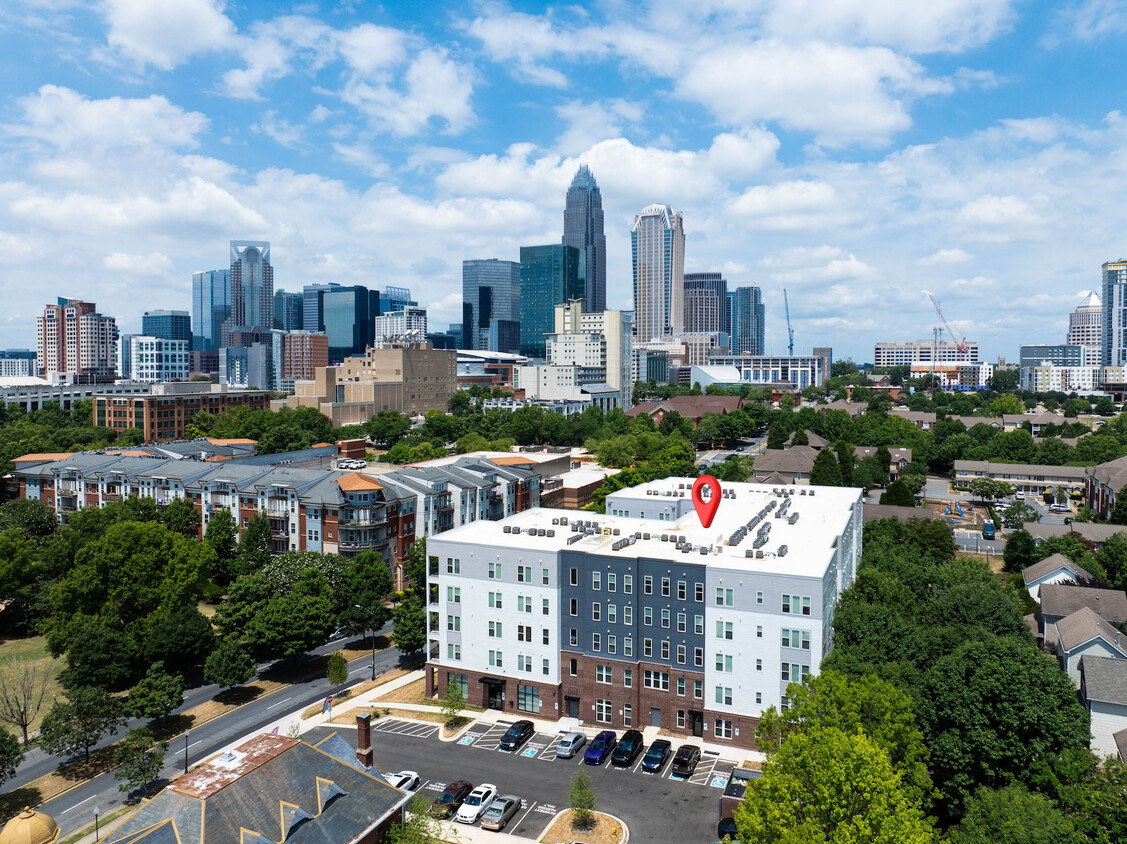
(706, 510)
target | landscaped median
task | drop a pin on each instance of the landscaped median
(605, 829)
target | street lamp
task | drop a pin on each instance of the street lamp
(186, 733)
(371, 616)
(97, 812)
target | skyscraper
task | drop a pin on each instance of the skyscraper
(583, 229)
(491, 305)
(252, 285)
(211, 308)
(1085, 328)
(395, 299)
(657, 242)
(348, 314)
(549, 276)
(74, 339)
(706, 303)
(289, 311)
(167, 325)
(1114, 313)
(747, 321)
(313, 296)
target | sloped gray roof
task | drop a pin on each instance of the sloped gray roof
(799, 458)
(1084, 625)
(1061, 600)
(1088, 530)
(1051, 564)
(1104, 679)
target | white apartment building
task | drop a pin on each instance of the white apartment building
(1086, 328)
(73, 339)
(797, 371)
(153, 360)
(410, 322)
(1049, 377)
(643, 617)
(956, 376)
(922, 351)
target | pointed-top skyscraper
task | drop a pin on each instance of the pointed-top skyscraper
(583, 229)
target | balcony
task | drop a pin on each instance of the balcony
(68, 503)
(278, 512)
(68, 487)
(221, 499)
(107, 497)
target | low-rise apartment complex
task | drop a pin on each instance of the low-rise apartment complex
(1024, 477)
(165, 414)
(643, 617)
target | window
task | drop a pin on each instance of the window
(681, 718)
(698, 592)
(612, 614)
(759, 597)
(612, 644)
(665, 587)
(604, 674)
(724, 597)
(759, 665)
(724, 695)
(454, 651)
(545, 635)
(682, 622)
(758, 632)
(573, 637)
(575, 577)
(596, 580)
(458, 680)
(724, 662)
(494, 571)
(627, 715)
(524, 633)
(574, 666)
(596, 642)
(602, 711)
(698, 689)
(628, 646)
(454, 622)
(454, 594)
(546, 666)
(698, 625)
(723, 630)
(647, 647)
(665, 649)
(796, 639)
(574, 606)
(628, 677)
(665, 618)
(612, 583)
(546, 606)
(495, 600)
(647, 616)
(628, 614)
(524, 603)
(524, 663)
(524, 574)
(656, 680)
(681, 686)
(495, 659)
(794, 672)
(723, 729)
(796, 605)
(648, 585)
(759, 697)
(682, 590)
(681, 654)
(528, 699)
(453, 566)
(628, 584)
(495, 629)
(698, 657)
(785, 703)
(596, 611)
(544, 577)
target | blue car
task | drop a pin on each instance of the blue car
(600, 748)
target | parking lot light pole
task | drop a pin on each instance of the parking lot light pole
(371, 625)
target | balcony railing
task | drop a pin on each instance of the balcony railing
(277, 513)
(111, 496)
(67, 487)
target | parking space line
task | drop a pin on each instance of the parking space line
(531, 806)
(637, 767)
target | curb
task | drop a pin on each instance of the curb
(616, 819)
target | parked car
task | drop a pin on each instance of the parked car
(569, 745)
(1020, 496)
(726, 827)
(988, 531)
(502, 810)
(600, 748)
(451, 799)
(685, 762)
(405, 780)
(656, 756)
(1059, 508)
(628, 749)
(516, 735)
(478, 801)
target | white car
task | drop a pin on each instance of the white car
(404, 780)
(1020, 496)
(476, 804)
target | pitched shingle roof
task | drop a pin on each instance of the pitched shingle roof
(1090, 531)
(1084, 625)
(799, 458)
(1063, 600)
(1105, 679)
(1049, 565)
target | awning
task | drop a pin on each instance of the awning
(492, 681)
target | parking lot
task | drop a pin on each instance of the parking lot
(688, 808)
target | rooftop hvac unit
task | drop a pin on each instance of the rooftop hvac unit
(793, 518)
(703, 551)
(811, 493)
(563, 520)
(749, 553)
(759, 555)
(555, 521)
(665, 537)
(508, 529)
(617, 531)
(782, 550)
(571, 540)
(802, 491)
(685, 549)
(551, 533)
(645, 536)
(516, 530)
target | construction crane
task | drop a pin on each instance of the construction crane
(790, 331)
(960, 345)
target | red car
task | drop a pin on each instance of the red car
(451, 799)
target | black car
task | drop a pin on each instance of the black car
(629, 746)
(726, 828)
(685, 762)
(656, 756)
(517, 734)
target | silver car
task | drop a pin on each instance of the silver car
(570, 744)
(500, 812)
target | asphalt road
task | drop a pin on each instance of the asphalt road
(654, 807)
(74, 809)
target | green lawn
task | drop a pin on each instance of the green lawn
(34, 648)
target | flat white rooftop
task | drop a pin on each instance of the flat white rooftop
(824, 513)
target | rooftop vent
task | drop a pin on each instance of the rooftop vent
(782, 550)
(551, 533)
(516, 530)
(508, 529)
(645, 536)
(759, 555)
(616, 532)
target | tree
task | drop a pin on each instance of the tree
(77, 724)
(23, 685)
(254, 548)
(1018, 513)
(182, 639)
(388, 427)
(337, 673)
(453, 701)
(292, 623)
(581, 801)
(1013, 815)
(410, 634)
(988, 489)
(367, 583)
(1118, 514)
(415, 570)
(898, 495)
(800, 437)
(418, 825)
(139, 759)
(1019, 551)
(826, 470)
(222, 535)
(11, 755)
(101, 656)
(229, 664)
(34, 518)
(844, 455)
(776, 435)
(181, 516)
(826, 785)
(156, 694)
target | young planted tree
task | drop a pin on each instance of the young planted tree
(453, 701)
(23, 685)
(156, 694)
(139, 759)
(410, 633)
(337, 672)
(581, 801)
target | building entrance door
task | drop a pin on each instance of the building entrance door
(696, 720)
(573, 707)
(655, 716)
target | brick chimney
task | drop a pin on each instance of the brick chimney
(364, 740)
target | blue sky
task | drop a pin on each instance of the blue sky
(859, 153)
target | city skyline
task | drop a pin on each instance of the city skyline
(961, 154)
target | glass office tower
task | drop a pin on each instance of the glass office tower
(657, 243)
(211, 307)
(348, 314)
(549, 276)
(583, 229)
(491, 305)
(167, 325)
